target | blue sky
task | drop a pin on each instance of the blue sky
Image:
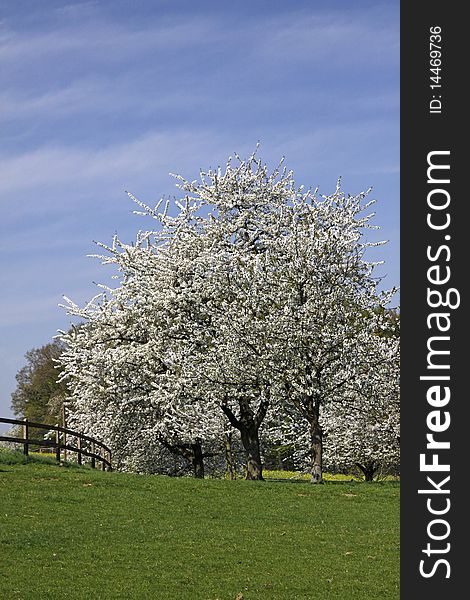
(98, 97)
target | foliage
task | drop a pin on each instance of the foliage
(38, 396)
(84, 534)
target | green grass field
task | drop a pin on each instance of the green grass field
(74, 533)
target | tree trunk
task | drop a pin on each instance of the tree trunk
(190, 452)
(248, 425)
(197, 460)
(316, 448)
(368, 470)
(250, 440)
(230, 471)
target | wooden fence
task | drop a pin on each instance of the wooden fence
(82, 444)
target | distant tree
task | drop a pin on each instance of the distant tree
(38, 396)
(361, 425)
(363, 430)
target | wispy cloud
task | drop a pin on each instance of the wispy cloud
(299, 35)
(332, 38)
(57, 166)
(103, 40)
(96, 96)
(29, 310)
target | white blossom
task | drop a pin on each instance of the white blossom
(255, 298)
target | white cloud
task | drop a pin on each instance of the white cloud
(348, 35)
(104, 41)
(330, 38)
(155, 155)
(56, 166)
(95, 96)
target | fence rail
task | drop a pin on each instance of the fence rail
(85, 445)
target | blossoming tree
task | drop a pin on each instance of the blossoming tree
(255, 297)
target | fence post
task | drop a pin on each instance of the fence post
(57, 441)
(65, 445)
(100, 453)
(25, 436)
(79, 446)
(64, 425)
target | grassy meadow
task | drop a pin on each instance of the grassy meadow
(69, 532)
